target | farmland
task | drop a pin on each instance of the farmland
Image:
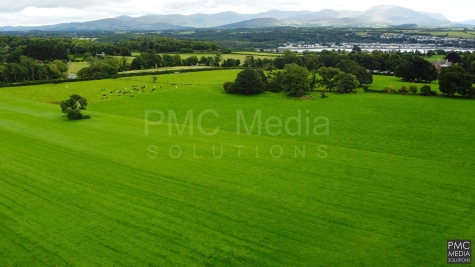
(389, 184)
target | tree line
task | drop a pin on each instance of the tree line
(26, 58)
(345, 72)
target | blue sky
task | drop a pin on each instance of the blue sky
(41, 12)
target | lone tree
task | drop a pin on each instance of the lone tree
(73, 106)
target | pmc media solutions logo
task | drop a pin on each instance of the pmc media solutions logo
(459, 251)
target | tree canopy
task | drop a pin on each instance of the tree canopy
(327, 75)
(345, 82)
(415, 69)
(248, 81)
(295, 78)
(73, 106)
(455, 79)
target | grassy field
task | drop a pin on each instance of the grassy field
(389, 185)
(381, 81)
(76, 66)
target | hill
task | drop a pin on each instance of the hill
(378, 15)
(253, 23)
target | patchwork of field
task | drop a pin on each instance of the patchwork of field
(181, 177)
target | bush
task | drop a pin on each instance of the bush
(322, 93)
(471, 92)
(403, 90)
(365, 88)
(413, 89)
(225, 85)
(389, 89)
(273, 86)
(426, 90)
(230, 88)
(300, 93)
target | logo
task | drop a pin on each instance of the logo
(459, 251)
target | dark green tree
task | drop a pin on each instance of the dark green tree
(345, 82)
(327, 75)
(295, 78)
(248, 82)
(455, 79)
(73, 106)
(273, 86)
(362, 75)
(453, 57)
(416, 69)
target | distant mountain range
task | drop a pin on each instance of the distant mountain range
(381, 15)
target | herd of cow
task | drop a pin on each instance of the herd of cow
(135, 89)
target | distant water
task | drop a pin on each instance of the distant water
(422, 50)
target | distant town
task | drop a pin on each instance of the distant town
(422, 43)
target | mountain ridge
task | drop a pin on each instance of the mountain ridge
(375, 16)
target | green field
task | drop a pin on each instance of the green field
(76, 66)
(382, 81)
(388, 186)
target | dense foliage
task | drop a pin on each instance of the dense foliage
(295, 78)
(455, 79)
(249, 81)
(73, 106)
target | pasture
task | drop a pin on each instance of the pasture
(389, 184)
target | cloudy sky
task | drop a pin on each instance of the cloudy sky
(42, 12)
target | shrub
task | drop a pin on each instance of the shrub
(413, 89)
(273, 86)
(471, 92)
(322, 93)
(403, 90)
(225, 85)
(300, 93)
(426, 90)
(230, 88)
(365, 88)
(389, 89)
